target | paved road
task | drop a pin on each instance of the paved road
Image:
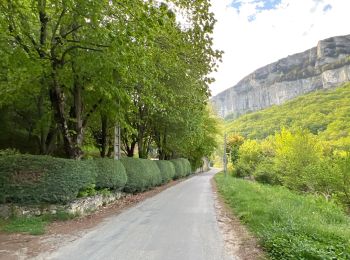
(177, 224)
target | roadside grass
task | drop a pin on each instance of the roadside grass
(33, 225)
(289, 225)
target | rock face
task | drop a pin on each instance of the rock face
(322, 67)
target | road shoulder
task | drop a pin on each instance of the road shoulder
(239, 242)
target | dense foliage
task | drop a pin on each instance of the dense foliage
(290, 226)
(155, 177)
(303, 145)
(298, 160)
(70, 70)
(140, 174)
(39, 179)
(44, 179)
(325, 113)
(111, 174)
(167, 170)
(182, 167)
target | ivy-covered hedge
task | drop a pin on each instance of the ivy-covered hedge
(43, 179)
(167, 170)
(111, 174)
(182, 167)
(142, 174)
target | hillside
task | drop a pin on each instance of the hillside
(325, 66)
(324, 112)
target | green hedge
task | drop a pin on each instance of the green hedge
(167, 170)
(187, 166)
(182, 167)
(142, 174)
(111, 174)
(179, 168)
(154, 172)
(43, 179)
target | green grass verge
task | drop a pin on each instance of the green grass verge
(289, 225)
(31, 225)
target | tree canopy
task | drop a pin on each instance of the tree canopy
(71, 69)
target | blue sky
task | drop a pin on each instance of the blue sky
(261, 5)
(254, 33)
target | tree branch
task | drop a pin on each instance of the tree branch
(89, 43)
(91, 111)
(71, 31)
(64, 10)
(43, 21)
(77, 47)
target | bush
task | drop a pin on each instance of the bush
(250, 155)
(43, 179)
(297, 158)
(141, 174)
(153, 172)
(167, 170)
(187, 166)
(9, 151)
(265, 173)
(110, 174)
(182, 167)
(179, 168)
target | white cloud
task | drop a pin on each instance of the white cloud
(293, 26)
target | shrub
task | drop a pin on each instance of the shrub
(297, 158)
(9, 151)
(110, 174)
(250, 155)
(265, 173)
(182, 167)
(153, 172)
(40, 179)
(141, 174)
(179, 168)
(87, 191)
(343, 193)
(187, 166)
(167, 170)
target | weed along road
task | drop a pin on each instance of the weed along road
(177, 224)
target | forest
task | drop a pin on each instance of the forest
(72, 70)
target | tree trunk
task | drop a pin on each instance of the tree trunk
(104, 134)
(110, 148)
(71, 146)
(130, 151)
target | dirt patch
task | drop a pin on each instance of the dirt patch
(23, 246)
(240, 244)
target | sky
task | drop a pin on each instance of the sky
(254, 33)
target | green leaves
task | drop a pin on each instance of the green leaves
(129, 60)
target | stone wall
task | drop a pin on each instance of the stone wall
(81, 206)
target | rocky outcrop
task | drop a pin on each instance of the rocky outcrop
(322, 67)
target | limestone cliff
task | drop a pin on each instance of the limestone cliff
(322, 67)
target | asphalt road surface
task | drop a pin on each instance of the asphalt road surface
(176, 224)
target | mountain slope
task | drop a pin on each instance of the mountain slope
(322, 67)
(324, 112)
